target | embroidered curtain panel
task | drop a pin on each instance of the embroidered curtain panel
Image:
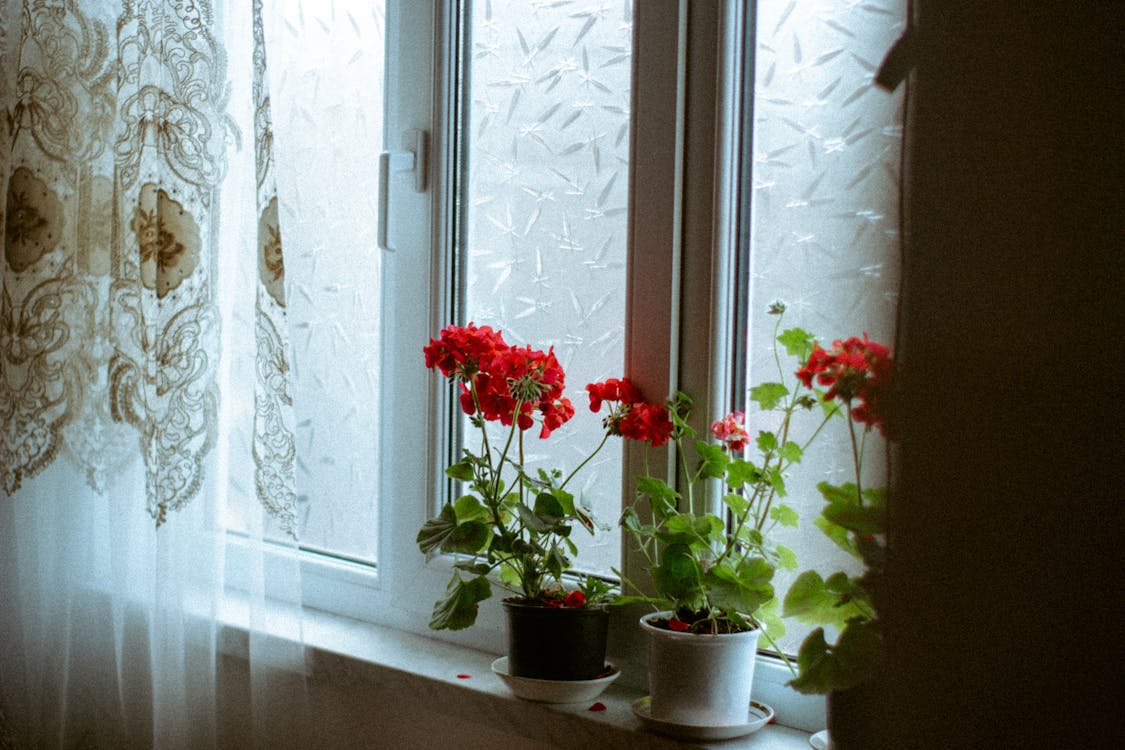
(117, 149)
(142, 284)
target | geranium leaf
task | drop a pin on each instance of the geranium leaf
(741, 473)
(742, 590)
(462, 471)
(766, 441)
(677, 576)
(791, 452)
(459, 607)
(469, 508)
(860, 520)
(445, 533)
(662, 498)
(737, 503)
(713, 459)
(784, 515)
(787, 558)
(548, 508)
(797, 342)
(810, 601)
(768, 395)
(838, 534)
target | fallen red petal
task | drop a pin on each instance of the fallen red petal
(463, 676)
(599, 706)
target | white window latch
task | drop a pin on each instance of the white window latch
(412, 159)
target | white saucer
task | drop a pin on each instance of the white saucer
(820, 741)
(759, 715)
(554, 691)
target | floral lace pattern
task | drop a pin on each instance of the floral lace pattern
(117, 122)
(275, 451)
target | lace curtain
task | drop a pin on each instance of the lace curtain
(142, 285)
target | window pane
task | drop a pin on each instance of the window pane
(546, 160)
(824, 235)
(326, 68)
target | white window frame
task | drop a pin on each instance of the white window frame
(686, 123)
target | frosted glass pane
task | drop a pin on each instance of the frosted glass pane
(547, 121)
(825, 212)
(326, 68)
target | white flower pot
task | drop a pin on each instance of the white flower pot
(700, 680)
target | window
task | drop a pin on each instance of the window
(524, 223)
(545, 157)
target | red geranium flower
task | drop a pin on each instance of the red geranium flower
(460, 349)
(730, 431)
(647, 423)
(630, 417)
(855, 370)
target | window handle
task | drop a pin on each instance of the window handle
(412, 159)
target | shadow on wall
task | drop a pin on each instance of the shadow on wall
(1004, 525)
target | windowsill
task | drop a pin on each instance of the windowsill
(423, 671)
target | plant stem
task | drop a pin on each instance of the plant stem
(855, 455)
(578, 468)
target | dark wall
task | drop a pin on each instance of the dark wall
(1004, 610)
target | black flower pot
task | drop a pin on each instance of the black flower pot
(855, 717)
(556, 643)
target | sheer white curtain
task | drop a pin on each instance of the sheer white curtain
(144, 383)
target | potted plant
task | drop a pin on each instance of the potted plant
(711, 575)
(514, 527)
(857, 374)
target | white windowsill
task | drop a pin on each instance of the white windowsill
(424, 671)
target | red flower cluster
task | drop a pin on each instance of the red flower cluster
(505, 383)
(631, 417)
(730, 431)
(855, 369)
(462, 349)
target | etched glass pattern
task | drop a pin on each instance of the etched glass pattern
(326, 76)
(547, 118)
(825, 235)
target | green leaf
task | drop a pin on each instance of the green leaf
(784, 515)
(845, 493)
(565, 501)
(838, 534)
(768, 617)
(810, 601)
(855, 658)
(533, 521)
(548, 507)
(557, 564)
(741, 473)
(678, 574)
(462, 471)
(768, 395)
(791, 452)
(776, 481)
(687, 529)
(743, 589)
(816, 668)
(459, 607)
(445, 533)
(662, 498)
(787, 558)
(797, 342)
(876, 497)
(859, 520)
(737, 503)
(474, 567)
(469, 508)
(766, 441)
(713, 459)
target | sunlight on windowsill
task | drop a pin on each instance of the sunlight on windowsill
(458, 682)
